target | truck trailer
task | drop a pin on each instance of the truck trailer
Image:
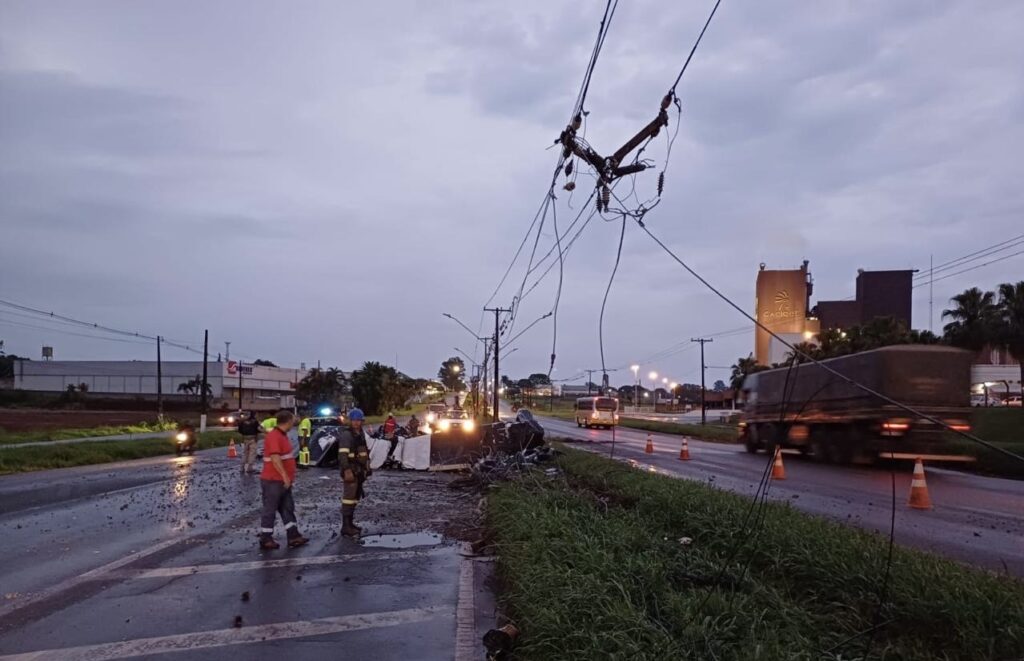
(816, 412)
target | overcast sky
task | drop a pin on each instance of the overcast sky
(320, 181)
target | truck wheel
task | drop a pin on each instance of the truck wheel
(773, 436)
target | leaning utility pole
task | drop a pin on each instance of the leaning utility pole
(203, 386)
(703, 368)
(159, 382)
(497, 369)
(239, 387)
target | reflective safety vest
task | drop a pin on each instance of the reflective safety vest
(305, 427)
(269, 424)
(304, 457)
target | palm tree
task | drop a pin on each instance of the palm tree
(973, 319)
(1011, 322)
(741, 369)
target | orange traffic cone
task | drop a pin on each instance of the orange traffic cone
(919, 498)
(232, 451)
(684, 452)
(778, 470)
(650, 445)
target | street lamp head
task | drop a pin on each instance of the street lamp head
(455, 368)
(673, 385)
(665, 380)
(652, 376)
(635, 368)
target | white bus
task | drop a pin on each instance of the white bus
(597, 412)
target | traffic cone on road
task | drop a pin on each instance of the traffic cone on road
(778, 470)
(919, 499)
(649, 449)
(232, 450)
(684, 452)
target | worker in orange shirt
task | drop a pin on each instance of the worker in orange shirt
(276, 482)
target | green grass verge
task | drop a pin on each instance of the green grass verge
(36, 458)
(65, 434)
(592, 568)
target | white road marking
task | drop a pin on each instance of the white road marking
(466, 645)
(320, 560)
(101, 572)
(240, 636)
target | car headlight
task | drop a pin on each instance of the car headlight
(431, 417)
(445, 425)
(182, 436)
(468, 425)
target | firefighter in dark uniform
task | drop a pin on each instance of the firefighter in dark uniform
(354, 461)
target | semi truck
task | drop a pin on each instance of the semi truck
(816, 412)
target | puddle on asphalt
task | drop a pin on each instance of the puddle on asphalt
(407, 540)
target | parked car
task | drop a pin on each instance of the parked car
(1014, 401)
(979, 400)
(454, 419)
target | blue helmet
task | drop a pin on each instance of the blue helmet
(356, 414)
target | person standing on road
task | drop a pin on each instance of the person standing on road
(305, 430)
(269, 424)
(249, 428)
(276, 483)
(354, 461)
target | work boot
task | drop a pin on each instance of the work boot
(348, 529)
(296, 540)
(268, 544)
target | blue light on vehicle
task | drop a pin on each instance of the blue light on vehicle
(325, 411)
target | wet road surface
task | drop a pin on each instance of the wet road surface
(977, 520)
(159, 555)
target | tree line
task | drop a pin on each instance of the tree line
(375, 388)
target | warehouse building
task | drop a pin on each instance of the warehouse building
(263, 388)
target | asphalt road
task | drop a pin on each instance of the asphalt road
(153, 556)
(977, 520)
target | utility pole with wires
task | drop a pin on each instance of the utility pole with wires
(703, 369)
(159, 382)
(203, 386)
(497, 365)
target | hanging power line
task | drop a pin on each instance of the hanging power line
(969, 269)
(970, 257)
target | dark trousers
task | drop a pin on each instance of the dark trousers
(277, 500)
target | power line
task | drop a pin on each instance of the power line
(969, 269)
(956, 262)
(695, 44)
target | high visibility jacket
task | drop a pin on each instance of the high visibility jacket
(305, 427)
(269, 424)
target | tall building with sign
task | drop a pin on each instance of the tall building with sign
(781, 304)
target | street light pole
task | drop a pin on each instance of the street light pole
(703, 368)
(497, 366)
(636, 387)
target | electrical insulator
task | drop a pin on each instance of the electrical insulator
(568, 168)
(577, 121)
(570, 186)
(661, 183)
(606, 195)
(667, 101)
(598, 201)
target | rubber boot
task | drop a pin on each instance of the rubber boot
(348, 529)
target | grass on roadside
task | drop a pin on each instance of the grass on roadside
(592, 567)
(36, 458)
(65, 434)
